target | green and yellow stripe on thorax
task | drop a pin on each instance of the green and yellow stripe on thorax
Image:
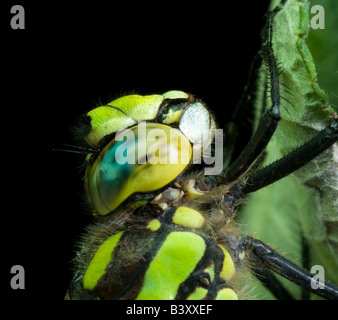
(169, 258)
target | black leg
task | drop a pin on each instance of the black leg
(293, 161)
(268, 279)
(288, 269)
(269, 121)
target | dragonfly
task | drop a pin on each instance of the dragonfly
(166, 222)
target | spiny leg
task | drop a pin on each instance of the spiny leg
(270, 119)
(281, 168)
(293, 161)
(274, 261)
(268, 279)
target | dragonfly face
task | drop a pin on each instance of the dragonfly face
(142, 157)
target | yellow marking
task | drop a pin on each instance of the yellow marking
(188, 217)
(228, 269)
(106, 120)
(88, 156)
(193, 193)
(154, 225)
(138, 203)
(241, 255)
(172, 116)
(175, 94)
(138, 107)
(226, 294)
(211, 271)
(106, 192)
(189, 188)
(100, 261)
(198, 294)
(172, 265)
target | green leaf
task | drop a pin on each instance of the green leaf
(305, 203)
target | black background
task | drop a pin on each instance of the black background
(72, 55)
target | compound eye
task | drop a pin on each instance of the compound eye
(119, 114)
(141, 159)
